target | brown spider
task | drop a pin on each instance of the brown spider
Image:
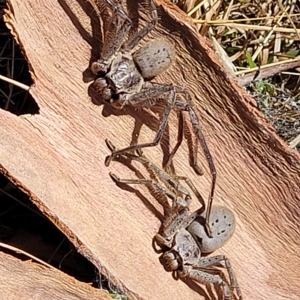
(124, 79)
(184, 239)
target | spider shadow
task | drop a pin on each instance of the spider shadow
(127, 187)
(99, 21)
(142, 116)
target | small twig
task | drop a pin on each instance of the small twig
(19, 251)
(226, 21)
(291, 73)
(293, 144)
(260, 47)
(196, 8)
(289, 17)
(267, 70)
(262, 28)
(16, 83)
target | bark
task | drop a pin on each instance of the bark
(57, 157)
(25, 280)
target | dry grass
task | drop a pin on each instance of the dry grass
(251, 36)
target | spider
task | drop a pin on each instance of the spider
(184, 239)
(124, 78)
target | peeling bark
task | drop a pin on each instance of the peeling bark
(57, 157)
(25, 280)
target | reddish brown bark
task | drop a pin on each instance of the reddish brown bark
(57, 157)
(25, 280)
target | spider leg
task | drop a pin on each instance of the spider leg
(195, 191)
(187, 106)
(233, 281)
(117, 30)
(198, 273)
(197, 129)
(165, 177)
(136, 38)
(180, 202)
(149, 97)
(171, 225)
(179, 217)
(179, 140)
(166, 166)
(198, 169)
(205, 277)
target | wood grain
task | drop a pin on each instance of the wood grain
(27, 280)
(57, 157)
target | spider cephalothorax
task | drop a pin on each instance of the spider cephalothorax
(127, 72)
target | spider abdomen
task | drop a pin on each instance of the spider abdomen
(222, 225)
(154, 57)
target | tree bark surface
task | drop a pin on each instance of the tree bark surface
(57, 156)
(25, 280)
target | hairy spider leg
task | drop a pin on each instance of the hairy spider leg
(180, 133)
(150, 97)
(180, 213)
(117, 30)
(165, 177)
(199, 272)
(187, 106)
(136, 38)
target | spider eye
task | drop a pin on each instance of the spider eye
(100, 74)
(98, 68)
(115, 97)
